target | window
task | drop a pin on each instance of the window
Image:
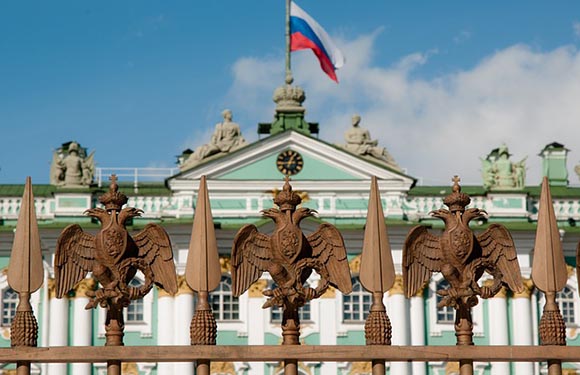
(9, 303)
(356, 306)
(224, 305)
(445, 314)
(565, 300)
(134, 312)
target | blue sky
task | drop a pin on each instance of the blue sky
(139, 81)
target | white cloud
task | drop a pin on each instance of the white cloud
(576, 28)
(441, 126)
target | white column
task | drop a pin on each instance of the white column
(417, 328)
(399, 316)
(522, 324)
(256, 319)
(183, 313)
(498, 328)
(82, 320)
(165, 328)
(327, 308)
(58, 327)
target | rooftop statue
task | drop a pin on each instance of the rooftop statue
(358, 141)
(499, 173)
(227, 137)
(71, 167)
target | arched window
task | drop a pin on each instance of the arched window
(445, 314)
(356, 305)
(276, 312)
(565, 300)
(134, 313)
(224, 305)
(9, 303)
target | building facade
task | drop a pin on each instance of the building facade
(335, 181)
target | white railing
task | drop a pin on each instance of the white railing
(134, 174)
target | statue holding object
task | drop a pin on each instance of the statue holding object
(499, 173)
(290, 257)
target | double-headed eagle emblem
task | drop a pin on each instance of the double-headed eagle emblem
(459, 255)
(113, 256)
(289, 256)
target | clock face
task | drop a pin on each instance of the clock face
(289, 162)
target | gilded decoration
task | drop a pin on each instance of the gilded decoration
(129, 368)
(502, 292)
(182, 287)
(397, 287)
(569, 371)
(51, 288)
(571, 270)
(5, 333)
(222, 368)
(9, 372)
(304, 369)
(84, 286)
(225, 264)
(161, 292)
(360, 368)
(256, 289)
(354, 265)
(528, 289)
(452, 368)
(330, 293)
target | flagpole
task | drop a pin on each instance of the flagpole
(289, 78)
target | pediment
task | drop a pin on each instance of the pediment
(323, 164)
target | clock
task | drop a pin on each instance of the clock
(289, 162)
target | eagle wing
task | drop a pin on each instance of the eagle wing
(155, 249)
(73, 259)
(499, 252)
(328, 248)
(422, 255)
(251, 254)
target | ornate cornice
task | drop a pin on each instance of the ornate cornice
(528, 289)
(161, 292)
(360, 368)
(129, 368)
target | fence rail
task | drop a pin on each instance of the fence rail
(268, 353)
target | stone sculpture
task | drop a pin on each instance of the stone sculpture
(227, 137)
(114, 257)
(290, 257)
(71, 167)
(358, 141)
(462, 258)
(499, 173)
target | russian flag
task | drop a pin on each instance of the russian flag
(306, 33)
